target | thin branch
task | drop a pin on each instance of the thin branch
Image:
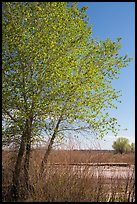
(10, 115)
(13, 119)
(75, 129)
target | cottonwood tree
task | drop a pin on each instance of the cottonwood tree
(53, 68)
(121, 145)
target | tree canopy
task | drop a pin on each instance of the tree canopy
(53, 68)
(121, 145)
(54, 74)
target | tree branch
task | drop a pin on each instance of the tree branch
(75, 129)
(10, 115)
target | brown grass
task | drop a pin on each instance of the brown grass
(86, 156)
(63, 183)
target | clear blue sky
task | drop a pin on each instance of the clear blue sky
(112, 20)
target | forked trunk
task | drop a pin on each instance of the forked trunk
(25, 141)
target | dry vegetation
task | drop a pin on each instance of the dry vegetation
(66, 184)
(89, 156)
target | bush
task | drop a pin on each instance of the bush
(132, 147)
(121, 145)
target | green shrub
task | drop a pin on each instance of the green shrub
(121, 145)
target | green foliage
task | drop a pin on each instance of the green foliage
(53, 67)
(121, 145)
(132, 147)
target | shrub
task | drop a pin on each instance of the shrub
(121, 145)
(132, 147)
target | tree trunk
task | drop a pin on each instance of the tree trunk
(14, 191)
(26, 169)
(44, 161)
(27, 156)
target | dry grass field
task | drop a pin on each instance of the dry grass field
(89, 156)
(65, 184)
